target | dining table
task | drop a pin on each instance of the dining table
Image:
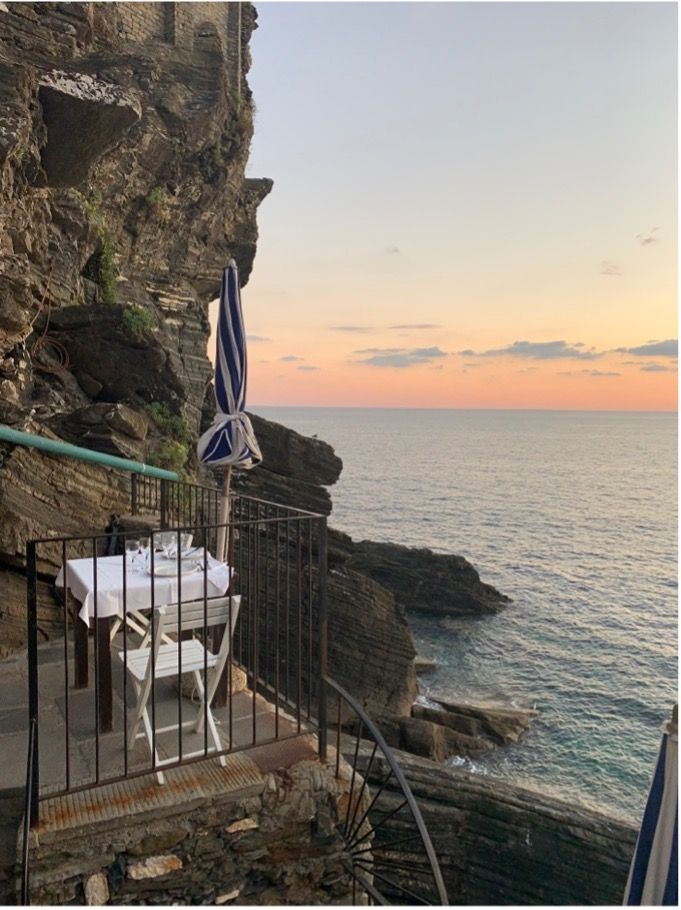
(114, 587)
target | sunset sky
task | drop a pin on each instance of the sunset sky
(474, 205)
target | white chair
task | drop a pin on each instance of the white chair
(195, 658)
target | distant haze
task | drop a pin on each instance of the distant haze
(474, 205)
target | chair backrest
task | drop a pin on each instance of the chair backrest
(199, 614)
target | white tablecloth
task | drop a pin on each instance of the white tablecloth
(110, 601)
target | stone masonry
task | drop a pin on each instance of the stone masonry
(259, 831)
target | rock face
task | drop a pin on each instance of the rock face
(499, 844)
(423, 581)
(437, 733)
(123, 194)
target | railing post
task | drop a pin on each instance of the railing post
(323, 638)
(133, 494)
(164, 504)
(32, 642)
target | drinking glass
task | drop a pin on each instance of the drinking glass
(132, 546)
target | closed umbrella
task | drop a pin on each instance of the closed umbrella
(653, 877)
(230, 440)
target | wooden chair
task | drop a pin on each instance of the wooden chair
(197, 614)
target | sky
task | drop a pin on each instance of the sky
(474, 205)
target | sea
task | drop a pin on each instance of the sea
(574, 516)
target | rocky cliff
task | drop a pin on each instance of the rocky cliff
(500, 844)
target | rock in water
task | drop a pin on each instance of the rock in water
(427, 582)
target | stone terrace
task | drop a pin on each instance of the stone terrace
(252, 727)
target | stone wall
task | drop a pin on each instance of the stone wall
(145, 21)
(179, 24)
(273, 842)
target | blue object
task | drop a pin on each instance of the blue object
(231, 438)
(653, 877)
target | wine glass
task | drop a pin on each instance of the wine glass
(132, 546)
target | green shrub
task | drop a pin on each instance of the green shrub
(137, 322)
(157, 197)
(170, 424)
(107, 271)
(171, 455)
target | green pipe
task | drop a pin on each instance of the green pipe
(57, 447)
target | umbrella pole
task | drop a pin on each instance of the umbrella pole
(223, 518)
(221, 693)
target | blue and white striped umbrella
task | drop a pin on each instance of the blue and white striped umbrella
(653, 877)
(230, 440)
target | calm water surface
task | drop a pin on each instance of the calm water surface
(573, 515)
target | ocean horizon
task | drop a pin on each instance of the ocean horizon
(570, 513)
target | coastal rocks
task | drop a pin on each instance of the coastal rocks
(295, 469)
(464, 730)
(500, 844)
(371, 650)
(497, 725)
(427, 582)
(435, 740)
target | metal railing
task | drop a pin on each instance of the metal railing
(277, 558)
(30, 807)
(276, 582)
(388, 851)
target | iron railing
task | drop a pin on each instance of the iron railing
(278, 562)
(388, 851)
(277, 559)
(29, 819)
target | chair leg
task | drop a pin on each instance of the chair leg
(206, 714)
(137, 717)
(202, 697)
(150, 737)
(216, 738)
(115, 626)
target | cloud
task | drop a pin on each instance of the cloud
(255, 339)
(647, 238)
(360, 329)
(379, 351)
(399, 357)
(657, 368)
(601, 372)
(667, 348)
(539, 350)
(598, 373)
(393, 251)
(416, 325)
(290, 358)
(307, 367)
(610, 268)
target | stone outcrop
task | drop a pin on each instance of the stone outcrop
(122, 196)
(454, 729)
(371, 650)
(499, 844)
(296, 469)
(427, 582)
